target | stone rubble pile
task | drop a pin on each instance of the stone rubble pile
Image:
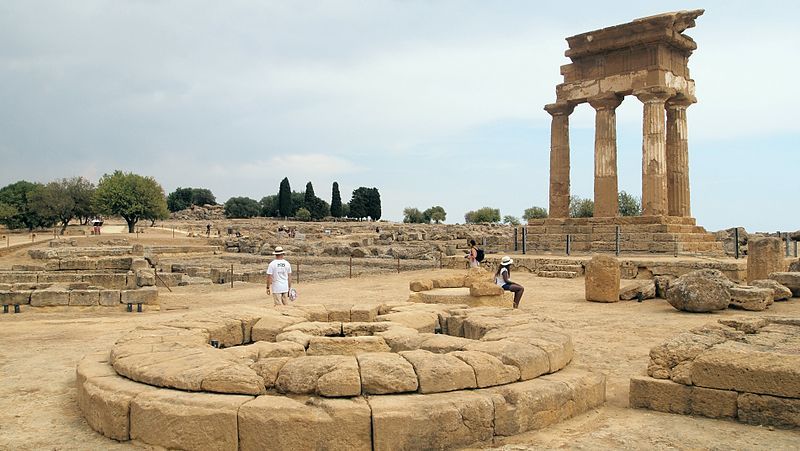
(743, 369)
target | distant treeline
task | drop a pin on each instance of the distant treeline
(134, 197)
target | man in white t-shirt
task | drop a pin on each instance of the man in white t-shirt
(279, 279)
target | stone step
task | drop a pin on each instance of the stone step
(557, 274)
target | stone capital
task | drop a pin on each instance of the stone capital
(560, 108)
(681, 101)
(656, 94)
(606, 102)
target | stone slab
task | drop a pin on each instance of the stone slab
(435, 421)
(190, 421)
(305, 423)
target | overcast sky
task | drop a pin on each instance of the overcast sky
(432, 102)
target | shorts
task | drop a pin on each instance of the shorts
(507, 286)
(281, 298)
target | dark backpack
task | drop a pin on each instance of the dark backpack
(479, 254)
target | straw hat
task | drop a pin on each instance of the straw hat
(278, 251)
(506, 261)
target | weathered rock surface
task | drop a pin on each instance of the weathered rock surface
(602, 279)
(764, 256)
(440, 420)
(703, 290)
(790, 280)
(489, 370)
(209, 421)
(386, 372)
(440, 372)
(346, 345)
(279, 422)
(635, 289)
(330, 376)
(779, 292)
(750, 298)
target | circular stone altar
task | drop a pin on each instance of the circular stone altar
(336, 377)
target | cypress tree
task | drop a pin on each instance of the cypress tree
(336, 201)
(309, 196)
(285, 198)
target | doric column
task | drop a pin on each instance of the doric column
(654, 151)
(559, 158)
(605, 155)
(678, 156)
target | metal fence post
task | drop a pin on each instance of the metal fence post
(569, 239)
(516, 232)
(231, 275)
(786, 235)
(795, 248)
(524, 240)
(736, 242)
(351, 267)
(616, 241)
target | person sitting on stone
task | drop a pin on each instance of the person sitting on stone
(502, 278)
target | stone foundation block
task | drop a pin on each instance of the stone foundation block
(666, 396)
(541, 402)
(449, 420)
(769, 410)
(109, 298)
(145, 278)
(77, 265)
(117, 263)
(346, 345)
(420, 285)
(112, 281)
(728, 367)
(47, 298)
(440, 372)
(207, 421)
(330, 376)
(105, 403)
(386, 372)
(8, 297)
(267, 328)
(140, 296)
(298, 423)
(84, 297)
(339, 313)
(364, 312)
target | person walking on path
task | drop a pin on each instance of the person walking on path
(279, 279)
(502, 278)
(472, 256)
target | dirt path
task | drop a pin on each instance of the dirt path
(40, 350)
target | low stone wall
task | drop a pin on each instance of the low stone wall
(114, 281)
(359, 377)
(743, 369)
(630, 266)
(52, 296)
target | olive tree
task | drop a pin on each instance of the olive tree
(131, 196)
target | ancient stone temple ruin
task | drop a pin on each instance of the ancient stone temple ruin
(647, 58)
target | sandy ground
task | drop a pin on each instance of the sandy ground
(40, 348)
